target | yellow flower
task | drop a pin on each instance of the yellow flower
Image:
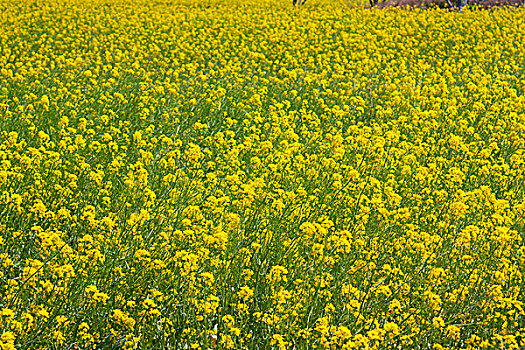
(278, 274)
(438, 322)
(45, 102)
(7, 341)
(392, 327)
(453, 331)
(278, 340)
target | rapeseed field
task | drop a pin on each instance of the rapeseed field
(221, 174)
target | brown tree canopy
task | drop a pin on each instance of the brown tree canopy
(455, 4)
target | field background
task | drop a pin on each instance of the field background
(243, 174)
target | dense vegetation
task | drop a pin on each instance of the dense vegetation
(246, 174)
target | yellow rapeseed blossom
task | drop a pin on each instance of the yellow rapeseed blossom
(226, 174)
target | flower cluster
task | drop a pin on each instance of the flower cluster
(228, 174)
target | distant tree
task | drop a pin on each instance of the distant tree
(457, 4)
(298, 2)
(452, 4)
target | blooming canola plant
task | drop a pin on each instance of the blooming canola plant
(249, 175)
